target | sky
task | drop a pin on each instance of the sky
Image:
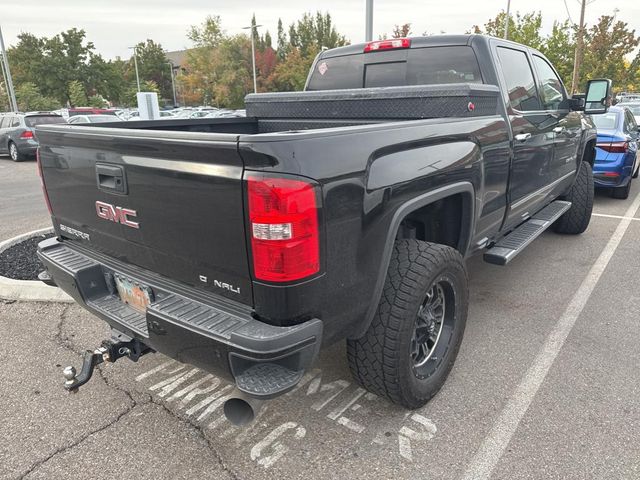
(114, 25)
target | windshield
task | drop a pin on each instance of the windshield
(416, 66)
(606, 121)
(32, 121)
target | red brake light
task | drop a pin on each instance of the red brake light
(614, 147)
(390, 44)
(283, 218)
(27, 134)
(44, 189)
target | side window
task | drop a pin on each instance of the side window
(518, 76)
(3, 120)
(632, 121)
(552, 90)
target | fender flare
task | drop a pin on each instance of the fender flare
(465, 188)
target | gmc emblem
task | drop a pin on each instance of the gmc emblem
(116, 214)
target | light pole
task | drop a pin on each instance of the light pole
(506, 21)
(13, 104)
(173, 85)
(135, 62)
(368, 28)
(253, 54)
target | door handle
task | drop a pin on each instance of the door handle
(111, 178)
(559, 130)
(522, 137)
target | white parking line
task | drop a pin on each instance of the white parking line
(493, 446)
(619, 217)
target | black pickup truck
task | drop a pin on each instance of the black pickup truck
(344, 212)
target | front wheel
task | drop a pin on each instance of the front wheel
(577, 218)
(414, 337)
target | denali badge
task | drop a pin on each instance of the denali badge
(116, 214)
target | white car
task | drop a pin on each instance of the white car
(93, 119)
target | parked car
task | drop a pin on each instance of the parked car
(344, 212)
(93, 119)
(71, 112)
(635, 109)
(617, 161)
(17, 136)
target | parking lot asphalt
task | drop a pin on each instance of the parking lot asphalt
(545, 386)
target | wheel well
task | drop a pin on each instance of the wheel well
(589, 154)
(439, 222)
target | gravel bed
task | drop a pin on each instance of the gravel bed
(20, 261)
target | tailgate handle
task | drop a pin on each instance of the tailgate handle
(111, 178)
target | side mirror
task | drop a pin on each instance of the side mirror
(598, 96)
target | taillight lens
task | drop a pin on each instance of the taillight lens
(26, 134)
(614, 147)
(285, 237)
(390, 44)
(44, 189)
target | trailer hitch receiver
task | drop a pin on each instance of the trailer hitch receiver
(109, 351)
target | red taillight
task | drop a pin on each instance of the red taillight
(285, 237)
(614, 147)
(27, 134)
(609, 174)
(44, 189)
(387, 44)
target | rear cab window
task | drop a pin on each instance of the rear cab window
(412, 66)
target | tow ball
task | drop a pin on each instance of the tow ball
(109, 351)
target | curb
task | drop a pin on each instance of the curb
(29, 290)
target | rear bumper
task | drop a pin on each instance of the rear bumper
(214, 334)
(608, 164)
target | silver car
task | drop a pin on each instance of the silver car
(17, 136)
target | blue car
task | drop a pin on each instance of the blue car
(616, 151)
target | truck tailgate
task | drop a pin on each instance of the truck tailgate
(169, 202)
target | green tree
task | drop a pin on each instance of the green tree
(77, 95)
(559, 47)
(153, 66)
(525, 29)
(313, 32)
(607, 45)
(29, 98)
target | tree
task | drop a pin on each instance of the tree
(153, 66)
(77, 95)
(607, 44)
(401, 31)
(558, 47)
(29, 98)
(525, 29)
(52, 64)
(290, 74)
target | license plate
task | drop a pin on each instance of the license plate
(133, 293)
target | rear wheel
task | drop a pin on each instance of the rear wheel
(577, 218)
(621, 193)
(15, 154)
(414, 337)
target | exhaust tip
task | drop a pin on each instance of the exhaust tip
(239, 411)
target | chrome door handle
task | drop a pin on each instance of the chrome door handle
(522, 137)
(559, 130)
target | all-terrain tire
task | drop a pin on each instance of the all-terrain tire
(381, 360)
(577, 218)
